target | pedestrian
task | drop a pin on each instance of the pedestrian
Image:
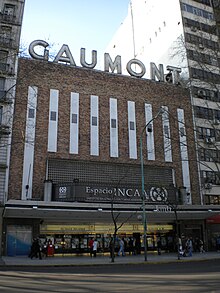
(180, 246)
(201, 246)
(218, 243)
(189, 246)
(159, 246)
(111, 247)
(44, 248)
(121, 247)
(91, 241)
(35, 249)
(131, 246)
(95, 247)
(50, 248)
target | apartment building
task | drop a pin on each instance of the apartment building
(11, 15)
(184, 36)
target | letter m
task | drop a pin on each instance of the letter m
(113, 65)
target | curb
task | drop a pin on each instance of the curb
(148, 262)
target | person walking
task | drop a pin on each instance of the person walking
(201, 246)
(121, 247)
(50, 248)
(91, 241)
(95, 247)
(131, 246)
(189, 246)
(111, 247)
(159, 246)
(35, 249)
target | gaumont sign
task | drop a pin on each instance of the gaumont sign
(64, 55)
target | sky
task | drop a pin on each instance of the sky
(88, 24)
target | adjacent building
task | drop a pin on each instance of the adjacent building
(184, 36)
(11, 14)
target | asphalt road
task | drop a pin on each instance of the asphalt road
(200, 276)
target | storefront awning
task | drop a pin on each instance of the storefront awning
(84, 212)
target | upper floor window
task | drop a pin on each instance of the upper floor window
(53, 116)
(197, 11)
(9, 12)
(206, 2)
(196, 25)
(1, 114)
(5, 35)
(2, 84)
(3, 56)
(5, 31)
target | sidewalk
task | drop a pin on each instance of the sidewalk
(104, 259)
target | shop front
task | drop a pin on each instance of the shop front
(213, 231)
(74, 239)
(70, 226)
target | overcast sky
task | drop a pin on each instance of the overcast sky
(86, 24)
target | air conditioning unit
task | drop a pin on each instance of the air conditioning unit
(208, 185)
(201, 93)
(216, 122)
(209, 140)
(201, 46)
(193, 29)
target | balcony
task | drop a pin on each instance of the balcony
(6, 42)
(4, 97)
(6, 69)
(7, 18)
(4, 129)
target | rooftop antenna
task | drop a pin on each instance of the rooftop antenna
(132, 23)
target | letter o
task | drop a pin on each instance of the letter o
(132, 72)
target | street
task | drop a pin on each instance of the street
(198, 276)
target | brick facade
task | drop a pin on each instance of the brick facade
(86, 82)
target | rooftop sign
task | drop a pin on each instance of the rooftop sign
(65, 56)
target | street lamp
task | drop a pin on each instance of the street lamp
(142, 183)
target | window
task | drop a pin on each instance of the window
(3, 56)
(206, 2)
(200, 26)
(9, 12)
(196, 11)
(209, 155)
(2, 84)
(3, 61)
(210, 177)
(94, 121)
(113, 123)
(204, 75)
(131, 125)
(53, 116)
(5, 32)
(182, 131)
(205, 113)
(166, 131)
(214, 199)
(31, 113)
(74, 118)
(206, 94)
(1, 114)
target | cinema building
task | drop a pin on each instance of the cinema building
(76, 160)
